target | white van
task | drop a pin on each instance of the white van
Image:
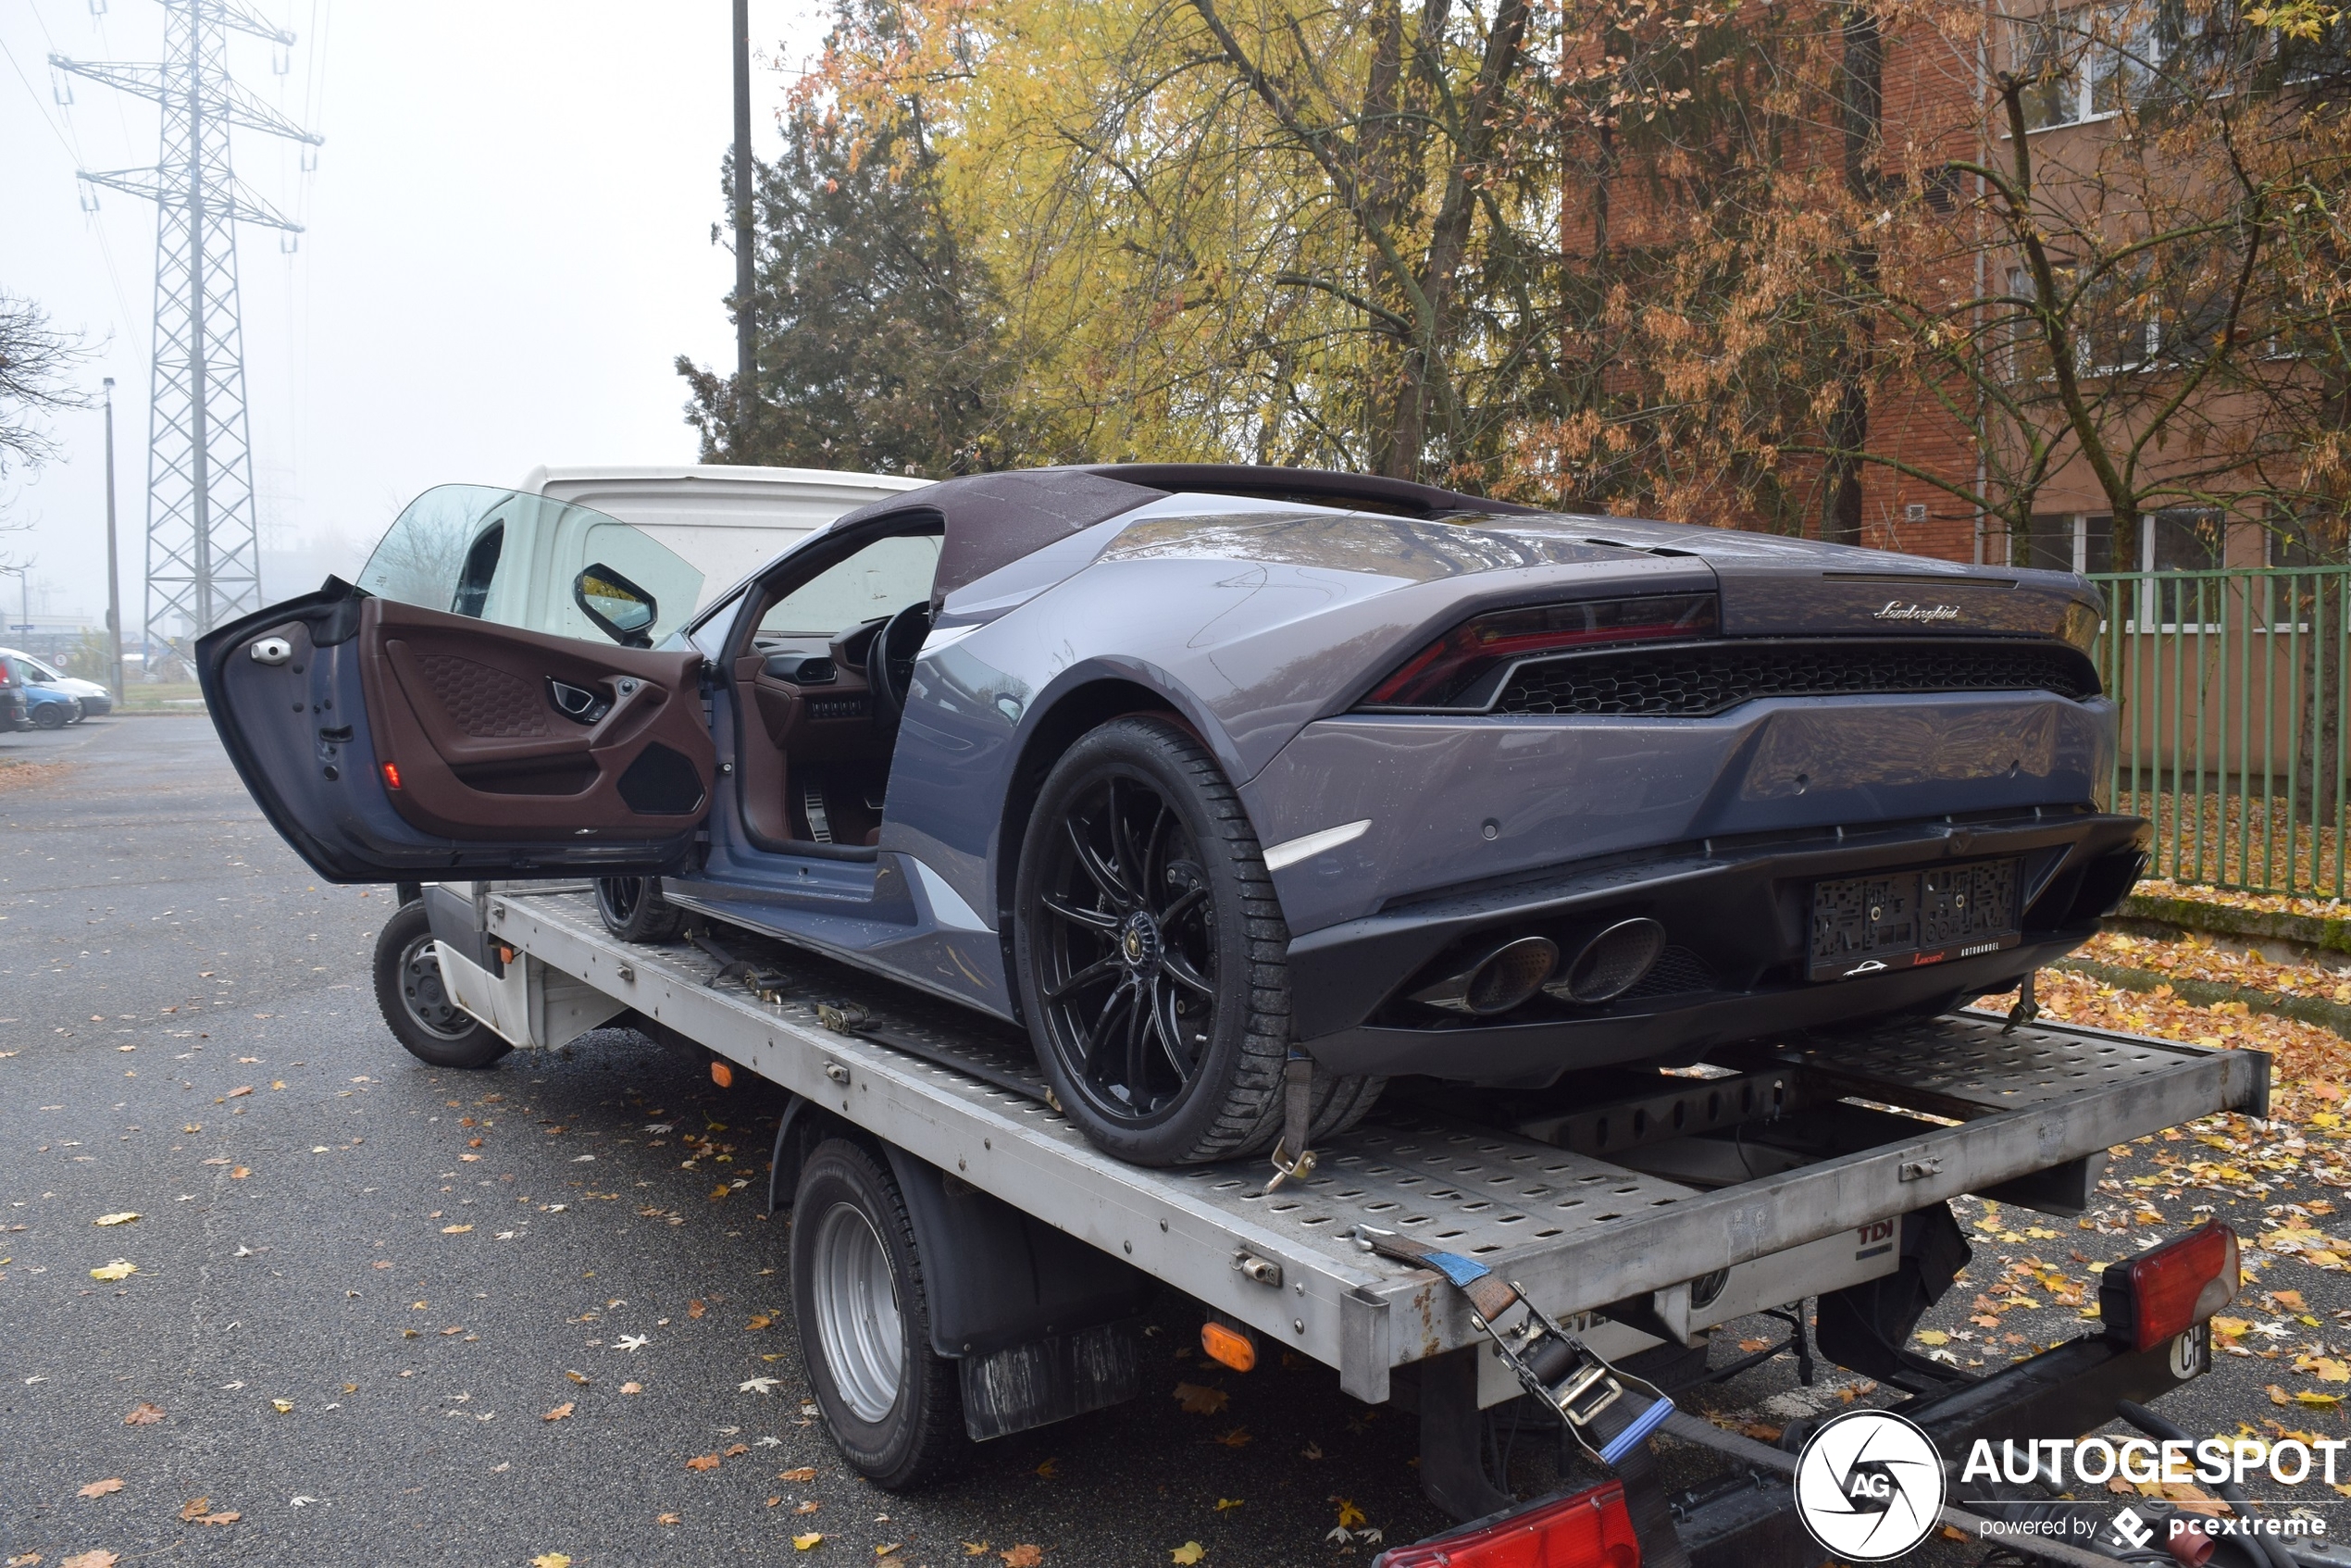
(726, 521)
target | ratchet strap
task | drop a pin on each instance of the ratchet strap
(1292, 1159)
(1611, 1414)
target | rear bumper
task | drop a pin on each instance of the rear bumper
(1737, 921)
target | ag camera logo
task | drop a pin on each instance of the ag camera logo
(1869, 1485)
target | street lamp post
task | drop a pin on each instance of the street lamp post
(114, 579)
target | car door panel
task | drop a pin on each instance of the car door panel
(467, 712)
(324, 701)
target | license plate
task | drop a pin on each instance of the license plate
(1905, 919)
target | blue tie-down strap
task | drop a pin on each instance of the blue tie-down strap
(1625, 1442)
(1463, 1272)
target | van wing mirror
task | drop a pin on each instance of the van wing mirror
(616, 606)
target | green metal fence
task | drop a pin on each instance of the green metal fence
(2231, 688)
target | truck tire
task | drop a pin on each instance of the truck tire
(1152, 954)
(894, 1404)
(420, 1014)
(633, 909)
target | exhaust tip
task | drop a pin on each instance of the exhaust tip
(1611, 963)
(1497, 981)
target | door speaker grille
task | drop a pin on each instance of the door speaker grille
(661, 782)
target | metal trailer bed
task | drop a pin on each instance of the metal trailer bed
(1578, 1207)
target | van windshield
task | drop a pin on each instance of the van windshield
(513, 558)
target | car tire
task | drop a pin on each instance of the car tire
(893, 1405)
(633, 909)
(49, 716)
(420, 1014)
(1113, 973)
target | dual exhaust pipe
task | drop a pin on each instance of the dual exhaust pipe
(1504, 977)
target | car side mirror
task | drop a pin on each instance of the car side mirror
(616, 606)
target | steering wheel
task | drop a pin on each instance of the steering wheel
(890, 661)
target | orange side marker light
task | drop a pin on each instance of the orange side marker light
(1229, 1346)
(722, 1075)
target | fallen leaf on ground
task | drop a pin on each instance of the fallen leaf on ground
(239, 1173)
(228, 1518)
(551, 1559)
(238, 1092)
(1046, 1469)
(1224, 1503)
(580, 1378)
(806, 1473)
(695, 1309)
(283, 1407)
(454, 1229)
(975, 1548)
(808, 1542)
(704, 1462)
(114, 1270)
(1197, 1400)
(195, 1508)
(123, 1218)
(1235, 1439)
(759, 1322)
(144, 1414)
(632, 1388)
(561, 1412)
(737, 1451)
(22, 1559)
(1022, 1556)
(885, 1550)
(100, 1488)
(667, 1519)
(1349, 1514)
(99, 1559)
(1190, 1552)
(1751, 1346)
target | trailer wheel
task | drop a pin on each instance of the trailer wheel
(894, 1406)
(421, 1015)
(634, 910)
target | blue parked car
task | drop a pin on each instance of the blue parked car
(54, 699)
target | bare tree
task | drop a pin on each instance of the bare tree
(36, 364)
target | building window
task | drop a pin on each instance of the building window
(2092, 61)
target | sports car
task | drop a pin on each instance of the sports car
(1218, 778)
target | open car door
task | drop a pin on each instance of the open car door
(523, 726)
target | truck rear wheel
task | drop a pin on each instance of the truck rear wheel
(422, 1015)
(894, 1404)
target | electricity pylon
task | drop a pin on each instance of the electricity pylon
(203, 542)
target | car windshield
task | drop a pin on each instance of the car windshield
(526, 561)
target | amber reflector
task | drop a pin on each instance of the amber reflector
(722, 1075)
(1229, 1346)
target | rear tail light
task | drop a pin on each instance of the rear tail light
(1588, 1530)
(1464, 668)
(2167, 1291)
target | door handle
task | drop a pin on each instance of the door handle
(578, 703)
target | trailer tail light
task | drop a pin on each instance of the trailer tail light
(1588, 1530)
(1463, 669)
(2167, 1291)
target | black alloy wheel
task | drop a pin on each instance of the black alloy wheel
(1152, 954)
(1130, 959)
(633, 909)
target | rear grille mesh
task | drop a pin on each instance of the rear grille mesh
(1704, 679)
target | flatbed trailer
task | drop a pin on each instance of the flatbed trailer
(1642, 1211)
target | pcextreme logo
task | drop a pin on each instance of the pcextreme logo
(1869, 1485)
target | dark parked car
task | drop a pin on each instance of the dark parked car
(1196, 771)
(15, 713)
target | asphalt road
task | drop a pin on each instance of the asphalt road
(397, 1314)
